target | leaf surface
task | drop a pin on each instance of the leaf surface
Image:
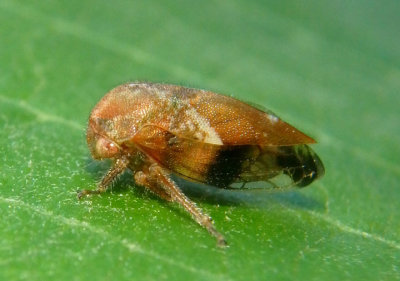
(330, 69)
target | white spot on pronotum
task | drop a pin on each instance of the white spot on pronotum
(273, 118)
(210, 135)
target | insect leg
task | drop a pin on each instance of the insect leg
(118, 167)
(142, 179)
(162, 179)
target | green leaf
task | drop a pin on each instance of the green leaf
(330, 68)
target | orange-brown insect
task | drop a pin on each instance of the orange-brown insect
(156, 130)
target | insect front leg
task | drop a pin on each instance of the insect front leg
(118, 167)
(157, 179)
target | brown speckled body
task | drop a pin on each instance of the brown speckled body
(158, 129)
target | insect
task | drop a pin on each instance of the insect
(157, 130)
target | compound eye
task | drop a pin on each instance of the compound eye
(106, 148)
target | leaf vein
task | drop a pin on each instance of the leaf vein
(132, 247)
(351, 230)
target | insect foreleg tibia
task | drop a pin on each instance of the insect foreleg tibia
(162, 179)
(118, 167)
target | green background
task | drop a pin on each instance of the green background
(330, 68)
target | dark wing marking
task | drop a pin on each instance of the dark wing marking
(282, 167)
(227, 166)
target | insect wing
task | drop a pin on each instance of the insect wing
(281, 167)
(237, 123)
(206, 116)
(186, 157)
(229, 166)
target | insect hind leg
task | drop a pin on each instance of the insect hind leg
(142, 178)
(157, 180)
